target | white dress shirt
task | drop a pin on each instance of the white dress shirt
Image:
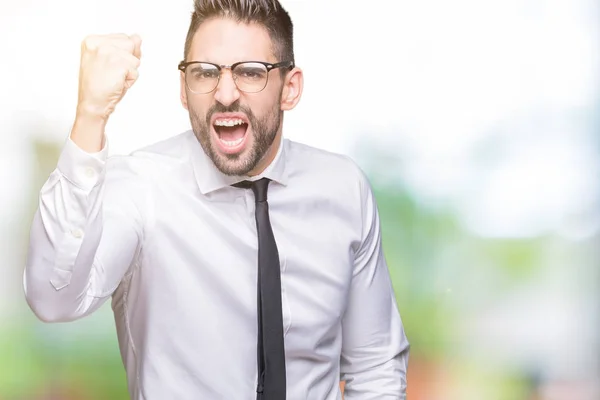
(163, 233)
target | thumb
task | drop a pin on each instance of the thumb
(131, 78)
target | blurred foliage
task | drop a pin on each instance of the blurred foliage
(34, 367)
(517, 258)
(412, 238)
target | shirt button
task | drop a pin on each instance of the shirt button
(89, 172)
(77, 233)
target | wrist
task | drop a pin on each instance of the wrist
(88, 130)
(88, 113)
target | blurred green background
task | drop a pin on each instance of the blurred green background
(481, 139)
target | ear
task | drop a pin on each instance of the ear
(183, 92)
(292, 89)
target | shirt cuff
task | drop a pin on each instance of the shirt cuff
(81, 168)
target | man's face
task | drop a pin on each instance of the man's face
(237, 130)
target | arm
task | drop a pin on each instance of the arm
(375, 349)
(87, 228)
(84, 236)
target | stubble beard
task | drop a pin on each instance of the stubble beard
(264, 131)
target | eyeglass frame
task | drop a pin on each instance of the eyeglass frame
(220, 67)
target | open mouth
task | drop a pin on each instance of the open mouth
(231, 133)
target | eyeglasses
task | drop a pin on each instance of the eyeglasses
(249, 76)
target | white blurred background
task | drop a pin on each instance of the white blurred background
(477, 121)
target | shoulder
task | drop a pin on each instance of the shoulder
(333, 169)
(173, 148)
(154, 158)
(316, 160)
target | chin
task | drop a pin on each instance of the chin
(239, 163)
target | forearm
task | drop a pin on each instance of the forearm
(58, 275)
(65, 233)
(378, 371)
(376, 350)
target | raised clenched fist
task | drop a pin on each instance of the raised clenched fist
(109, 67)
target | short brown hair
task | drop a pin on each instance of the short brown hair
(268, 13)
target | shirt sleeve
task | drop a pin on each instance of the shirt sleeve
(375, 349)
(84, 236)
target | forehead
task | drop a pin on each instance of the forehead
(225, 41)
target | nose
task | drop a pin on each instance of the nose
(227, 92)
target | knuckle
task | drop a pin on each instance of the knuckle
(104, 50)
(122, 41)
(89, 42)
(129, 45)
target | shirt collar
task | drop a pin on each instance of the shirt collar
(210, 179)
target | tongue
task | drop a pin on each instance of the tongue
(231, 133)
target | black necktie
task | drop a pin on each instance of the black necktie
(271, 355)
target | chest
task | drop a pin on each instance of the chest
(203, 253)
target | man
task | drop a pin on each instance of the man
(240, 265)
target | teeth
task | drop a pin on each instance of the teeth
(228, 122)
(232, 143)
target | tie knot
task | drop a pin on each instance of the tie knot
(259, 188)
